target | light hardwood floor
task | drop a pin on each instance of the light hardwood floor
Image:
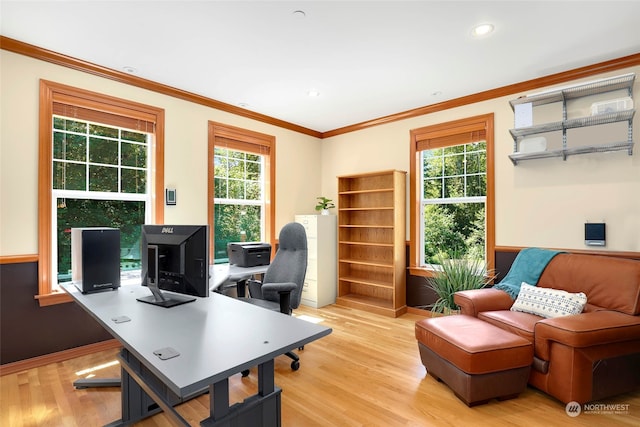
(366, 373)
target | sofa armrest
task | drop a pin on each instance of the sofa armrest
(476, 301)
(585, 330)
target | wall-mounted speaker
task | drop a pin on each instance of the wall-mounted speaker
(95, 258)
(595, 234)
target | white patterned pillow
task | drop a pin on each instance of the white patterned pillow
(548, 302)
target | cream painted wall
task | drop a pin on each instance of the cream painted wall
(297, 173)
(539, 202)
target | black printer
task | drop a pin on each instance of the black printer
(249, 254)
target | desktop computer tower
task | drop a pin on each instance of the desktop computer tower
(95, 258)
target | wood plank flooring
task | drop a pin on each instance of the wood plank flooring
(366, 373)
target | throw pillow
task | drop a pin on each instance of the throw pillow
(548, 302)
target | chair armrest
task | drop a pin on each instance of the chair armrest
(585, 330)
(476, 301)
(284, 291)
(279, 287)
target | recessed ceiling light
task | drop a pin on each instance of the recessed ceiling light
(243, 105)
(313, 93)
(482, 30)
(129, 70)
(299, 14)
(436, 93)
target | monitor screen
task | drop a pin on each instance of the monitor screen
(175, 258)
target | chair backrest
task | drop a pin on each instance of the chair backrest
(290, 262)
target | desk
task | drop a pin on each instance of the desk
(221, 274)
(209, 353)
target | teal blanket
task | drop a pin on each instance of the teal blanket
(527, 267)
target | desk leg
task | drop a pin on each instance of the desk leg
(260, 410)
(141, 397)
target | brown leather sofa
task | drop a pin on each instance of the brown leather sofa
(577, 358)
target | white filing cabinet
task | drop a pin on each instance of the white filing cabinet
(320, 283)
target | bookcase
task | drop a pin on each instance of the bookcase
(371, 242)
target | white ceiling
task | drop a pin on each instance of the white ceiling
(368, 59)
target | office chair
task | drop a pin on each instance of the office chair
(281, 286)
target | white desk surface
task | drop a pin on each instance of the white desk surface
(216, 336)
(229, 273)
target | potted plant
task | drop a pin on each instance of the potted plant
(324, 205)
(457, 274)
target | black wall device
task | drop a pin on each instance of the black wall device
(95, 258)
(594, 234)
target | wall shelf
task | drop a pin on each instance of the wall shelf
(624, 82)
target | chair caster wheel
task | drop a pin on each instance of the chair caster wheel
(301, 348)
(245, 373)
(295, 365)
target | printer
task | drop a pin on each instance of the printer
(249, 254)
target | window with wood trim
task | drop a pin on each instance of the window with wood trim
(241, 187)
(101, 163)
(452, 196)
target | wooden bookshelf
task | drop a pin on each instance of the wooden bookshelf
(371, 242)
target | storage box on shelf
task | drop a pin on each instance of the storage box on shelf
(371, 237)
(602, 114)
(320, 281)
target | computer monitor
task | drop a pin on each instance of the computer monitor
(175, 258)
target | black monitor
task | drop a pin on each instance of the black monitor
(175, 258)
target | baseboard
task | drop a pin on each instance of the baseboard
(60, 356)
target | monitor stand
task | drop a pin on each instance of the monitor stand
(153, 277)
(163, 300)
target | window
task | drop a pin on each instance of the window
(100, 177)
(97, 154)
(241, 187)
(452, 192)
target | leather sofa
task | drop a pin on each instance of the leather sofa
(583, 357)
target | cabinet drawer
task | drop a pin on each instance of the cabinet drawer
(312, 269)
(310, 224)
(310, 289)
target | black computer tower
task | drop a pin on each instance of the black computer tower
(95, 258)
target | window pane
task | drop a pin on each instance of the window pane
(454, 165)
(126, 215)
(220, 189)
(103, 178)
(68, 146)
(103, 131)
(236, 169)
(103, 151)
(253, 190)
(221, 169)
(433, 188)
(433, 165)
(236, 189)
(253, 171)
(235, 223)
(134, 181)
(454, 187)
(476, 185)
(453, 230)
(69, 176)
(70, 125)
(133, 155)
(133, 136)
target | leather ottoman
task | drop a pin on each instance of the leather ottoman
(477, 360)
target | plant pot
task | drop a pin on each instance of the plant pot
(324, 212)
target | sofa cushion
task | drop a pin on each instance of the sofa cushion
(521, 324)
(547, 302)
(608, 282)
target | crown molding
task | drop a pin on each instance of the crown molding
(26, 49)
(46, 55)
